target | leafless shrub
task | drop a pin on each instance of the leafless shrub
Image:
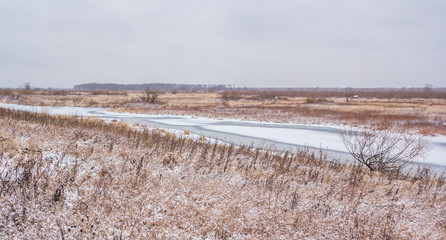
(267, 95)
(150, 96)
(384, 150)
(231, 95)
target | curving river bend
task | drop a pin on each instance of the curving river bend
(286, 137)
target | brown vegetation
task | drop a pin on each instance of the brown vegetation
(427, 93)
(231, 95)
(6, 92)
(426, 115)
(111, 181)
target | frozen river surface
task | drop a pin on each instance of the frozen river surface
(288, 137)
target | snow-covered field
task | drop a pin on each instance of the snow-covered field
(282, 136)
(66, 178)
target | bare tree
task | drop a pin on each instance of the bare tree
(26, 86)
(150, 96)
(384, 150)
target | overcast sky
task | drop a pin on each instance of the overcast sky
(254, 43)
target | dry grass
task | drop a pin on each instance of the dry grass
(71, 98)
(110, 181)
(426, 115)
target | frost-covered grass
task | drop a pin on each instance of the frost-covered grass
(63, 177)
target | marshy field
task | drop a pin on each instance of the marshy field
(66, 177)
(424, 111)
(223, 120)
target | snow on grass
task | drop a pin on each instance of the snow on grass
(324, 136)
(152, 186)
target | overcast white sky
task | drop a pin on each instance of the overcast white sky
(257, 43)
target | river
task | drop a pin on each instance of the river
(276, 136)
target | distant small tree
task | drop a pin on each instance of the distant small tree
(150, 96)
(26, 86)
(427, 90)
(384, 150)
(231, 95)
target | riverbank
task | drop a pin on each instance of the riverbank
(281, 137)
(115, 181)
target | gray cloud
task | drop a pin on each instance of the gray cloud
(260, 43)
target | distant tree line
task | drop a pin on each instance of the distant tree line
(151, 86)
(271, 93)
